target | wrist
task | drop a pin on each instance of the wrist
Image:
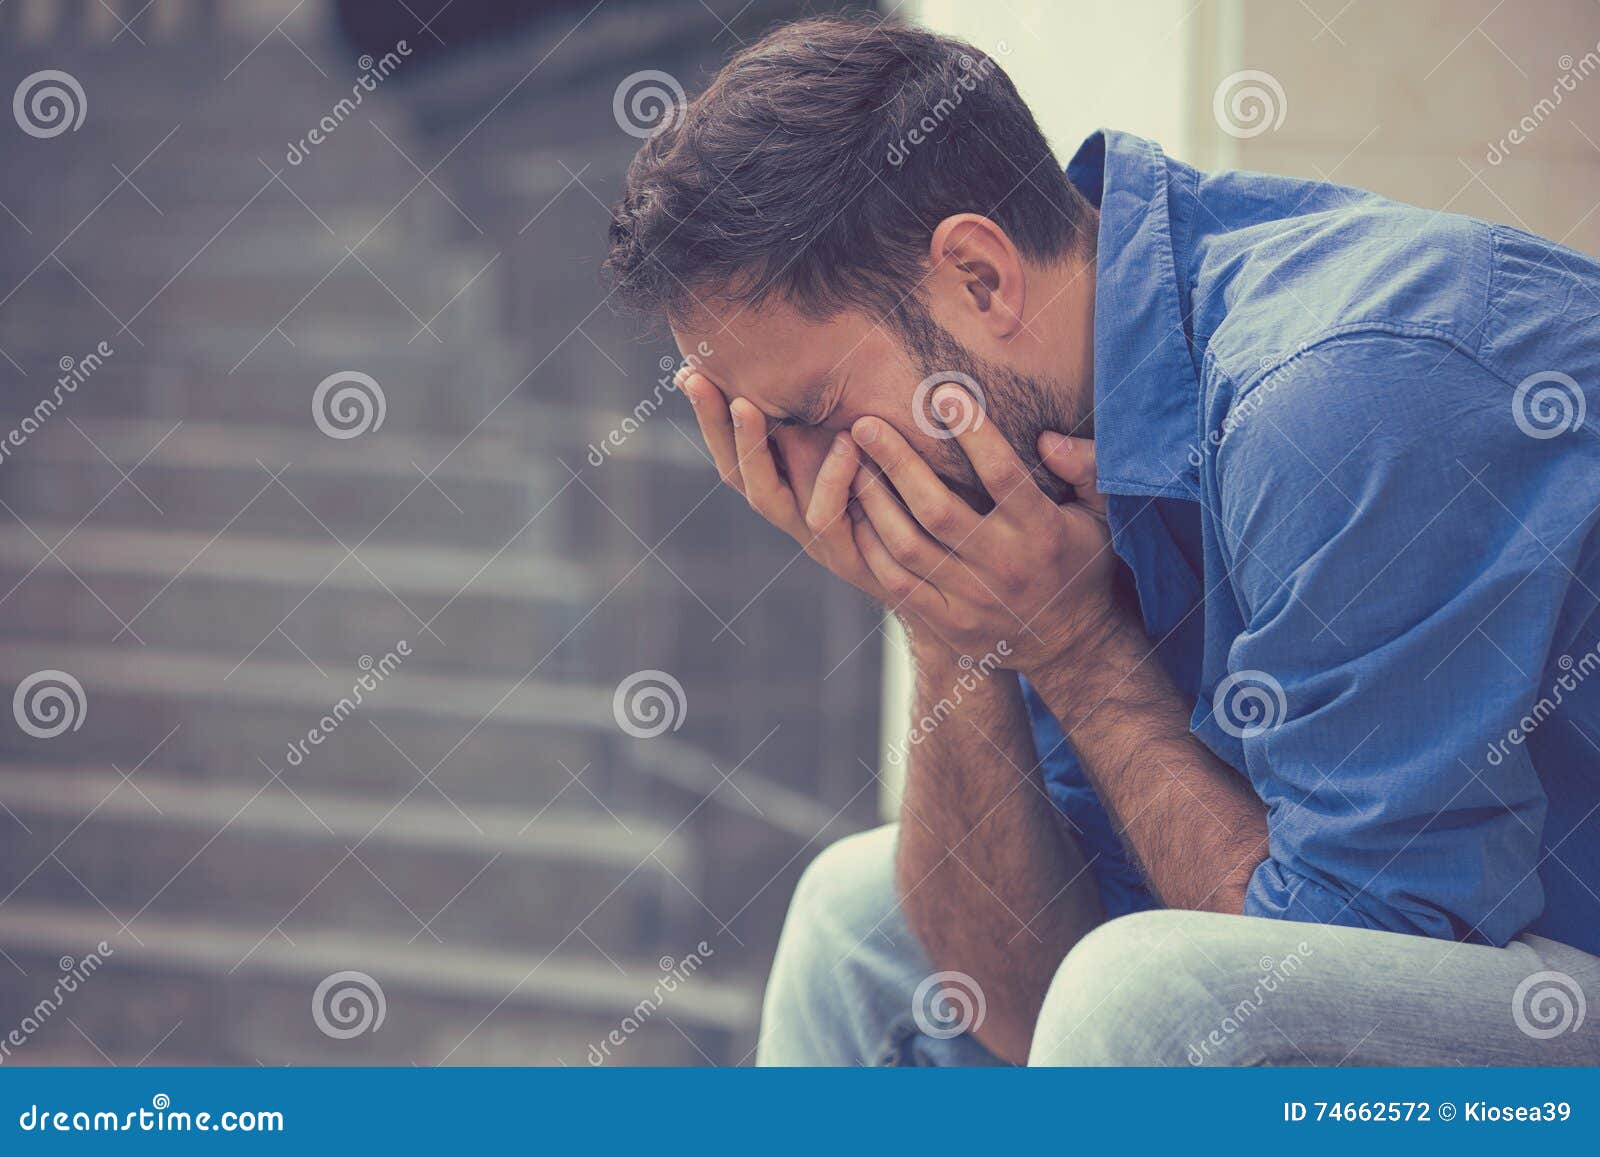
(929, 653)
(1099, 646)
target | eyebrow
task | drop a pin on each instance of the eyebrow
(812, 413)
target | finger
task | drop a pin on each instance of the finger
(1072, 460)
(905, 590)
(943, 515)
(804, 452)
(767, 493)
(907, 541)
(993, 460)
(825, 512)
(716, 425)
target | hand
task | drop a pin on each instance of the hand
(810, 505)
(1031, 575)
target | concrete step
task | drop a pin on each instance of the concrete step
(488, 742)
(249, 373)
(201, 475)
(495, 614)
(183, 994)
(161, 846)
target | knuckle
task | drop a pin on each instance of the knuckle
(941, 520)
(901, 584)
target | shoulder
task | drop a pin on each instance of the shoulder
(1368, 266)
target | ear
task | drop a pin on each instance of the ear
(975, 256)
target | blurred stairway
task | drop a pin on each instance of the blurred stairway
(218, 573)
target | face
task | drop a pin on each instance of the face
(822, 376)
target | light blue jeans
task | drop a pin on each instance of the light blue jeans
(852, 986)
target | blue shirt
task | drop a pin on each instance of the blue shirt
(1351, 458)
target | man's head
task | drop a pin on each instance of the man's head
(851, 209)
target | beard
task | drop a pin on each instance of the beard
(1020, 406)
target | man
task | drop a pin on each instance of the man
(1271, 507)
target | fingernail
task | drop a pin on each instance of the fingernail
(841, 443)
(683, 388)
(1050, 441)
(865, 433)
(733, 413)
(950, 396)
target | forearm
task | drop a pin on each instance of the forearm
(991, 881)
(1196, 826)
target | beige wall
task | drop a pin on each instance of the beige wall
(1409, 98)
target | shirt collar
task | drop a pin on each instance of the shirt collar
(1146, 388)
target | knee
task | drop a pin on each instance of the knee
(1155, 988)
(839, 911)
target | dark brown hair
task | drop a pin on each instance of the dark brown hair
(816, 167)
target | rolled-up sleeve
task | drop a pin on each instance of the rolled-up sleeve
(1400, 581)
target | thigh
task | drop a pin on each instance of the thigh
(851, 983)
(1204, 988)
